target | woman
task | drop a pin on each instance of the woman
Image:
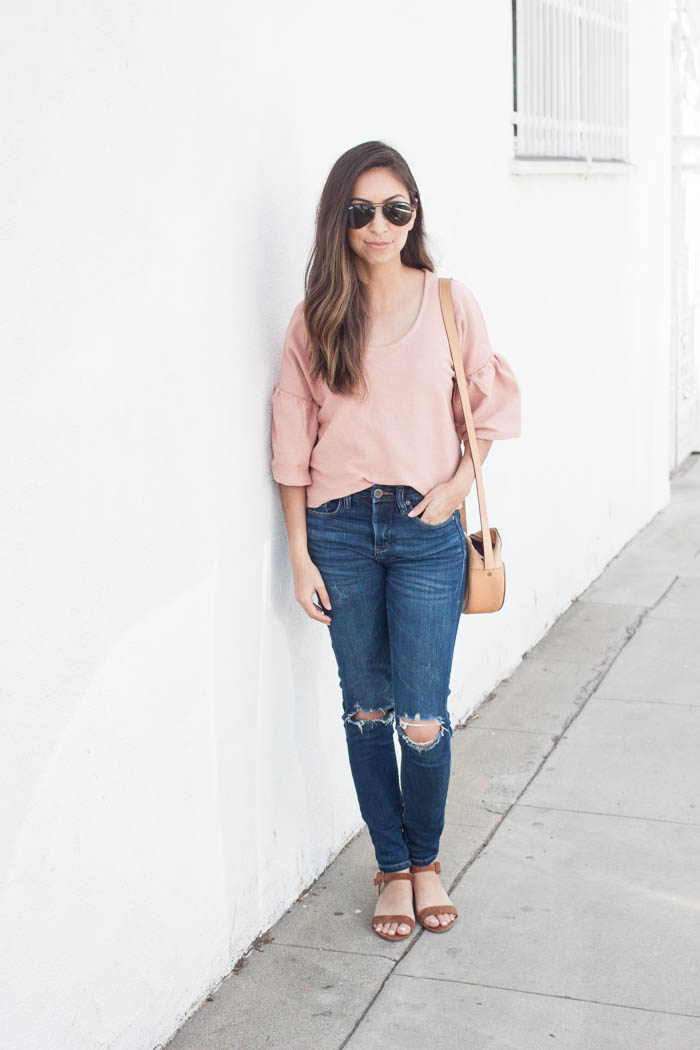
(366, 430)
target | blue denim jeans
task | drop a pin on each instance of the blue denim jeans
(396, 585)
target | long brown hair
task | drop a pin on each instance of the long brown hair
(336, 307)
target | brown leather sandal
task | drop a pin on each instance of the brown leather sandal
(434, 909)
(380, 878)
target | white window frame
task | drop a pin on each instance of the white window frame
(571, 86)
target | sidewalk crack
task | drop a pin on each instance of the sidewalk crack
(546, 995)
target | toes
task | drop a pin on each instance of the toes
(391, 928)
(443, 919)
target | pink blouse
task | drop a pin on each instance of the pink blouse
(408, 431)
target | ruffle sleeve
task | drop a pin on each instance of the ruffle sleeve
(494, 391)
(294, 422)
(294, 430)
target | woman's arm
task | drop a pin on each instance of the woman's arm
(444, 499)
(307, 579)
(464, 476)
(294, 507)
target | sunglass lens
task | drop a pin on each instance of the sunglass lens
(398, 214)
(359, 215)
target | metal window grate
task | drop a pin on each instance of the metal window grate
(571, 66)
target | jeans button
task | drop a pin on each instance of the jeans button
(378, 493)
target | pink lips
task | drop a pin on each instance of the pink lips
(378, 244)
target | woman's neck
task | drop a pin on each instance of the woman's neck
(385, 284)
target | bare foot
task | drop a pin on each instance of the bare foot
(429, 890)
(396, 898)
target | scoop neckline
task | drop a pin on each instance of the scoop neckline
(416, 322)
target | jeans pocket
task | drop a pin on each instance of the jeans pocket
(327, 509)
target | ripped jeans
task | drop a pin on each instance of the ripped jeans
(396, 585)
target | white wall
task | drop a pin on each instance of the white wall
(174, 765)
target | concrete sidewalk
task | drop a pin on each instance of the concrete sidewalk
(571, 849)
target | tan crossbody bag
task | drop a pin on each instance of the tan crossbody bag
(485, 588)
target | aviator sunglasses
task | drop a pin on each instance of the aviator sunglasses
(398, 213)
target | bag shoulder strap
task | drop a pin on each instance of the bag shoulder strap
(448, 316)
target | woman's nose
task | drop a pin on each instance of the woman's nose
(378, 223)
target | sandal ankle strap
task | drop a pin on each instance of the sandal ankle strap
(435, 866)
(387, 876)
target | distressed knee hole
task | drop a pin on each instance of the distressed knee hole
(368, 714)
(369, 719)
(422, 734)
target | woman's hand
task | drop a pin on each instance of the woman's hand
(307, 581)
(439, 504)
